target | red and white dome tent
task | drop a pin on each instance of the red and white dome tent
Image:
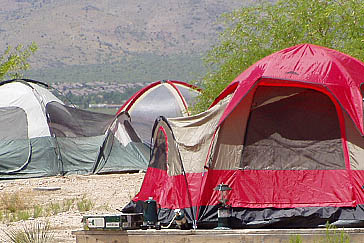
(286, 135)
(168, 98)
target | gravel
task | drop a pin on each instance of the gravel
(108, 193)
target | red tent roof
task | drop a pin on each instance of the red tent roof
(309, 66)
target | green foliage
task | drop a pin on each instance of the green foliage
(14, 61)
(295, 239)
(22, 215)
(254, 32)
(85, 204)
(67, 204)
(33, 233)
(333, 235)
(37, 211)
(54, 208)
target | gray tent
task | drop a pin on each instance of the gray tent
(168, 98)
(41, 136)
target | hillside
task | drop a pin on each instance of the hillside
(129, 40)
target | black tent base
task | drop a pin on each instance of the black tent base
(273, 218)
(307, 217)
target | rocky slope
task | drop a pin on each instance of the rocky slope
(83, 32)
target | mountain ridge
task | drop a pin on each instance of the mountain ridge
(112, 32)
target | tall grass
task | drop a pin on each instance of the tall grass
(12, 202)
(295, 239)
(332, 235)
(85, 204)
(37, 211)
(34, 232)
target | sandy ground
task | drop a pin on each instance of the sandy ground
(108, 193)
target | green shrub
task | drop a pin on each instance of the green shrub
(67, 204)
(333, 235)
(22, 215)
(85, 205)
(55, 208)
(295, 239)
(37, 211)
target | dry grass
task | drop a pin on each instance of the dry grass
(16, 207)
(12, 202)
(34, 232)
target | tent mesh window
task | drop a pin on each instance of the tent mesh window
(160, 150)
(292, 129)
(66, 121)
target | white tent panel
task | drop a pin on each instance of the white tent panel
(19, 95)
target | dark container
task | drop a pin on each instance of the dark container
(150, 211)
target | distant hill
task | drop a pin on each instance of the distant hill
(114, 40)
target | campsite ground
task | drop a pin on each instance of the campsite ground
(106, 192)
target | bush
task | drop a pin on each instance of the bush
(35, 232)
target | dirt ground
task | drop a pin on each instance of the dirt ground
(107, 192)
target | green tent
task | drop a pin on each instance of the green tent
(41, 136)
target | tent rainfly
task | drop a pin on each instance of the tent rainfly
(286, 135)
(40, 136)
(166, 98)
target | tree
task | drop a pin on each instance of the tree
(15, 60)
(254, 32)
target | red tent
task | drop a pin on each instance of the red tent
(308, 66)
(285, 135)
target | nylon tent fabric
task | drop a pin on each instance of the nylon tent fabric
(336, 72)
(288, 141)
(79, 135)
(121, 144)
(166, 98)
(173, 183)
(26, 146)
(41, 136)
(292, 160)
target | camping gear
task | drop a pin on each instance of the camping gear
(131, 221)
(124, 221)
(91, 222)
(224, 211)
(180, 219)
(41, 136)
(150, 214)
(286, 135)
(168, 98)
